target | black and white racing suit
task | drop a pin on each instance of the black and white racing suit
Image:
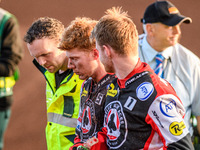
(143, 111)
(91, 113)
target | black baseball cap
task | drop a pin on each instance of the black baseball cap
(164, 12)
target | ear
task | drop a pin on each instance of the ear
(95, 53)
(149, 29)
(107, 51)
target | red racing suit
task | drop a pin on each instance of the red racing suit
(91, 113)
(143, 111)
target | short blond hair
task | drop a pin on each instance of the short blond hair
(77, 34)
(117, 30)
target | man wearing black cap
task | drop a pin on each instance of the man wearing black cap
(159, 47)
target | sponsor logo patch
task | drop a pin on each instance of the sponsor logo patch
(84, 93)
(136, 77)
(144, 91)
(168, 109)
(111, 92)
(116, 124)
(176, 128)
(88, 125)
(87, 120)
(104, 81)
(157, 118)
(173, 10)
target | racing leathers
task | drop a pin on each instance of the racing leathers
(91, 113)
(143, 111)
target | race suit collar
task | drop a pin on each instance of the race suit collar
(137, 69)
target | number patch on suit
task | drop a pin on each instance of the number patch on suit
(130, 103)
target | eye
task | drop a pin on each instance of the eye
(47, 54)
(74, 58)
(169, 27)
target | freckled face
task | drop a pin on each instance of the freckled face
(82, 62)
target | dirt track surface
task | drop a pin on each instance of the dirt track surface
(26, 130)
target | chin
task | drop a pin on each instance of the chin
(174, 42)
(109, 70)
(82, 77)
(51, 71)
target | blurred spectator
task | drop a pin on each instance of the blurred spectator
(11, 53)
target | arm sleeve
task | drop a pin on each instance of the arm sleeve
(79, 120)
(11, 51)
(101, 136)
(77, 139)
(165, 116)
(100, 145)
(194, 91)
(182, 144)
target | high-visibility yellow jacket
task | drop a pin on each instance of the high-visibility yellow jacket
(62, 109)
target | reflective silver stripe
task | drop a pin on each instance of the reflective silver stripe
(60, 119)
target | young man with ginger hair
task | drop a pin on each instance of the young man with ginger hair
(84, 60)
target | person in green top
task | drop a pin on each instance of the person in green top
(11, 53)
(62, 84)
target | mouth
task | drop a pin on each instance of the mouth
(47, 67)
(174, 37)
(77, 73)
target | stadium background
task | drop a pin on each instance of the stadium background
(26, 130)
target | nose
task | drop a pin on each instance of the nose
(70, 64)
(177, 29)
(41, 61)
